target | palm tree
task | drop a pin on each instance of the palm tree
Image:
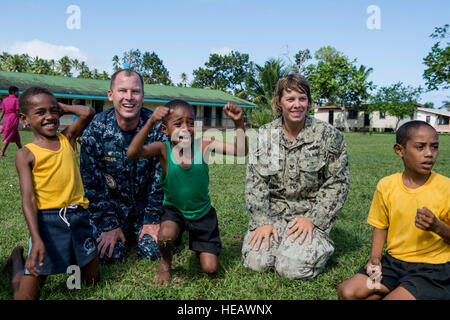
(84, 71)
(40, 66)
(262, 88)
(64, 66)
(184, 80)
(19, 63)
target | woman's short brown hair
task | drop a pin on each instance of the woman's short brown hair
(292, 81)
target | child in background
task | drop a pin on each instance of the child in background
(52, 196)
(10, 110)
(185, 182)
(411, 210)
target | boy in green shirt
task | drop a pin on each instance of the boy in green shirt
(185, 182)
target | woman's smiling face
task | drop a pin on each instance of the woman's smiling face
(294, 106)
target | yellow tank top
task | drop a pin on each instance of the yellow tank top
(56, 176)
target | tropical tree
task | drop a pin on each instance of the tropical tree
(397, 100)
(437, 74)
(84, 71)
(336, 79)
(224, 72)
(260, 90)
(184, 80)
(148, 64)
(64, 66)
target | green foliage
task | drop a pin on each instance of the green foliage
(437, 74)
(336, 79)
(63, 67)
(396, 100)
(261, 87)
(148, 64)
(224, 72)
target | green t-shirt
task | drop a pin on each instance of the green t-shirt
(187, 189)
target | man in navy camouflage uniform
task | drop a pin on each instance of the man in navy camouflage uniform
(124, 194)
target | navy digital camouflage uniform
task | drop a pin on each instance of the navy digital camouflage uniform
(122, 192)
(309, 178)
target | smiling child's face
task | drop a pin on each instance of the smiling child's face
(42, 115)
(180, 126)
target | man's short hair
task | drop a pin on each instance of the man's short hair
(25, 97)
(292, 81)
(404, 132)
(128, 73)
(13, 89)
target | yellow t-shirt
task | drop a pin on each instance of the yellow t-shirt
(394, 206)
(56, 176)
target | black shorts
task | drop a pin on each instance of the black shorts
(65, 245)
(424, 281)
(203, 233)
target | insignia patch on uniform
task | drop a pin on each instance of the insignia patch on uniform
(110, 181)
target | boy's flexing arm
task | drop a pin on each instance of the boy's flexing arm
(24, 165)
(240, 147)
(84, 116)
(427, 221)
(137, 149)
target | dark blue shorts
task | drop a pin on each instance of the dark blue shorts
(68, 239)
(423, 280)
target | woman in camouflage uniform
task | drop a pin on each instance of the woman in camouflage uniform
(297, 182)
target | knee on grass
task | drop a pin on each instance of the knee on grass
(350, 290)
(208, 263)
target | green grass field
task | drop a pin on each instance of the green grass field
(370, 159)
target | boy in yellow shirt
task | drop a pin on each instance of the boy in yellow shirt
(411, 210)
(53, 198)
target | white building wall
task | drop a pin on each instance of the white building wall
(421, 115)
(388, 122)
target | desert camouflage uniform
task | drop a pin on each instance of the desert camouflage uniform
(311, 179)
(122, 192)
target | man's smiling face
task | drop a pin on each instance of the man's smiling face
(127, 96)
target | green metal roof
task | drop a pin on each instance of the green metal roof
(96, 89)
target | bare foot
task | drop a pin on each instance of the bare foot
(162, 276)
(2, 156)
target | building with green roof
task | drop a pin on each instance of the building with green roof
(208, 104)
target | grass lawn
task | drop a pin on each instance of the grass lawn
(370, 159)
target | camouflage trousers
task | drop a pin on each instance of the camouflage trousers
(147, 248)
(290, 259)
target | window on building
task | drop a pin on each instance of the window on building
(382, 115)
(428, 119)
(443, 120)
(64, 100)
(219, 116)
(207, 116)
(352, 114)
(98, 105)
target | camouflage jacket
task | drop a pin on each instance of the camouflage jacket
(114, 184)
(307, 177)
